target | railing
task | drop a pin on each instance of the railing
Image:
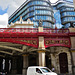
(59, 31)
(33, 30)
(19, 30)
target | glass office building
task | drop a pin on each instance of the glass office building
(62, 11)
(67, 14)
(35, 10)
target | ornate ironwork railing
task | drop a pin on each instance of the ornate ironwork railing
(33, 30)
(19, 30)
(59, 31)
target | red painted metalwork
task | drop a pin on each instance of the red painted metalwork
(49, 42)
(30, 32)
(56, 31)
(29, 36)
(18, 30)
(25, 41)
(72, 34)
(33, 30)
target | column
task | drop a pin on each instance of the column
(14, 65)
(1, 65)
(7, 65)
(25, 64)
(69, 63)
(41, 39)
(41, 57)
(19, 64)
(73, 61)
(53, 61)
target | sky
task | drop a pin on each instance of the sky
(7, 7)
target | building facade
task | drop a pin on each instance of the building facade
(21, 24)
(54, 48)
(35, 10)
(67, 14)
(44, 10)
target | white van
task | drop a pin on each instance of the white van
(37, 70)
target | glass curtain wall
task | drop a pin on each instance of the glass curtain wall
(67, 13)
(35, 10)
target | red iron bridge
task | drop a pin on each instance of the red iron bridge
(30, 36)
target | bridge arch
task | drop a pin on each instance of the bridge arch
(24, 41)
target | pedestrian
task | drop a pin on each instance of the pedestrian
(53, 69)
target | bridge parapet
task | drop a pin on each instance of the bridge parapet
(33, 30)
(58, 31)
(30, 36)
(18, 30)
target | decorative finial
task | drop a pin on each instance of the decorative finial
(40, 23)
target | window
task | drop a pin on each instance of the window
(45, 70)
(38, 70)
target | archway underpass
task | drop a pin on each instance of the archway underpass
(13, 53)
(9, 54)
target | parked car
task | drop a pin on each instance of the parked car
(37, 70)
